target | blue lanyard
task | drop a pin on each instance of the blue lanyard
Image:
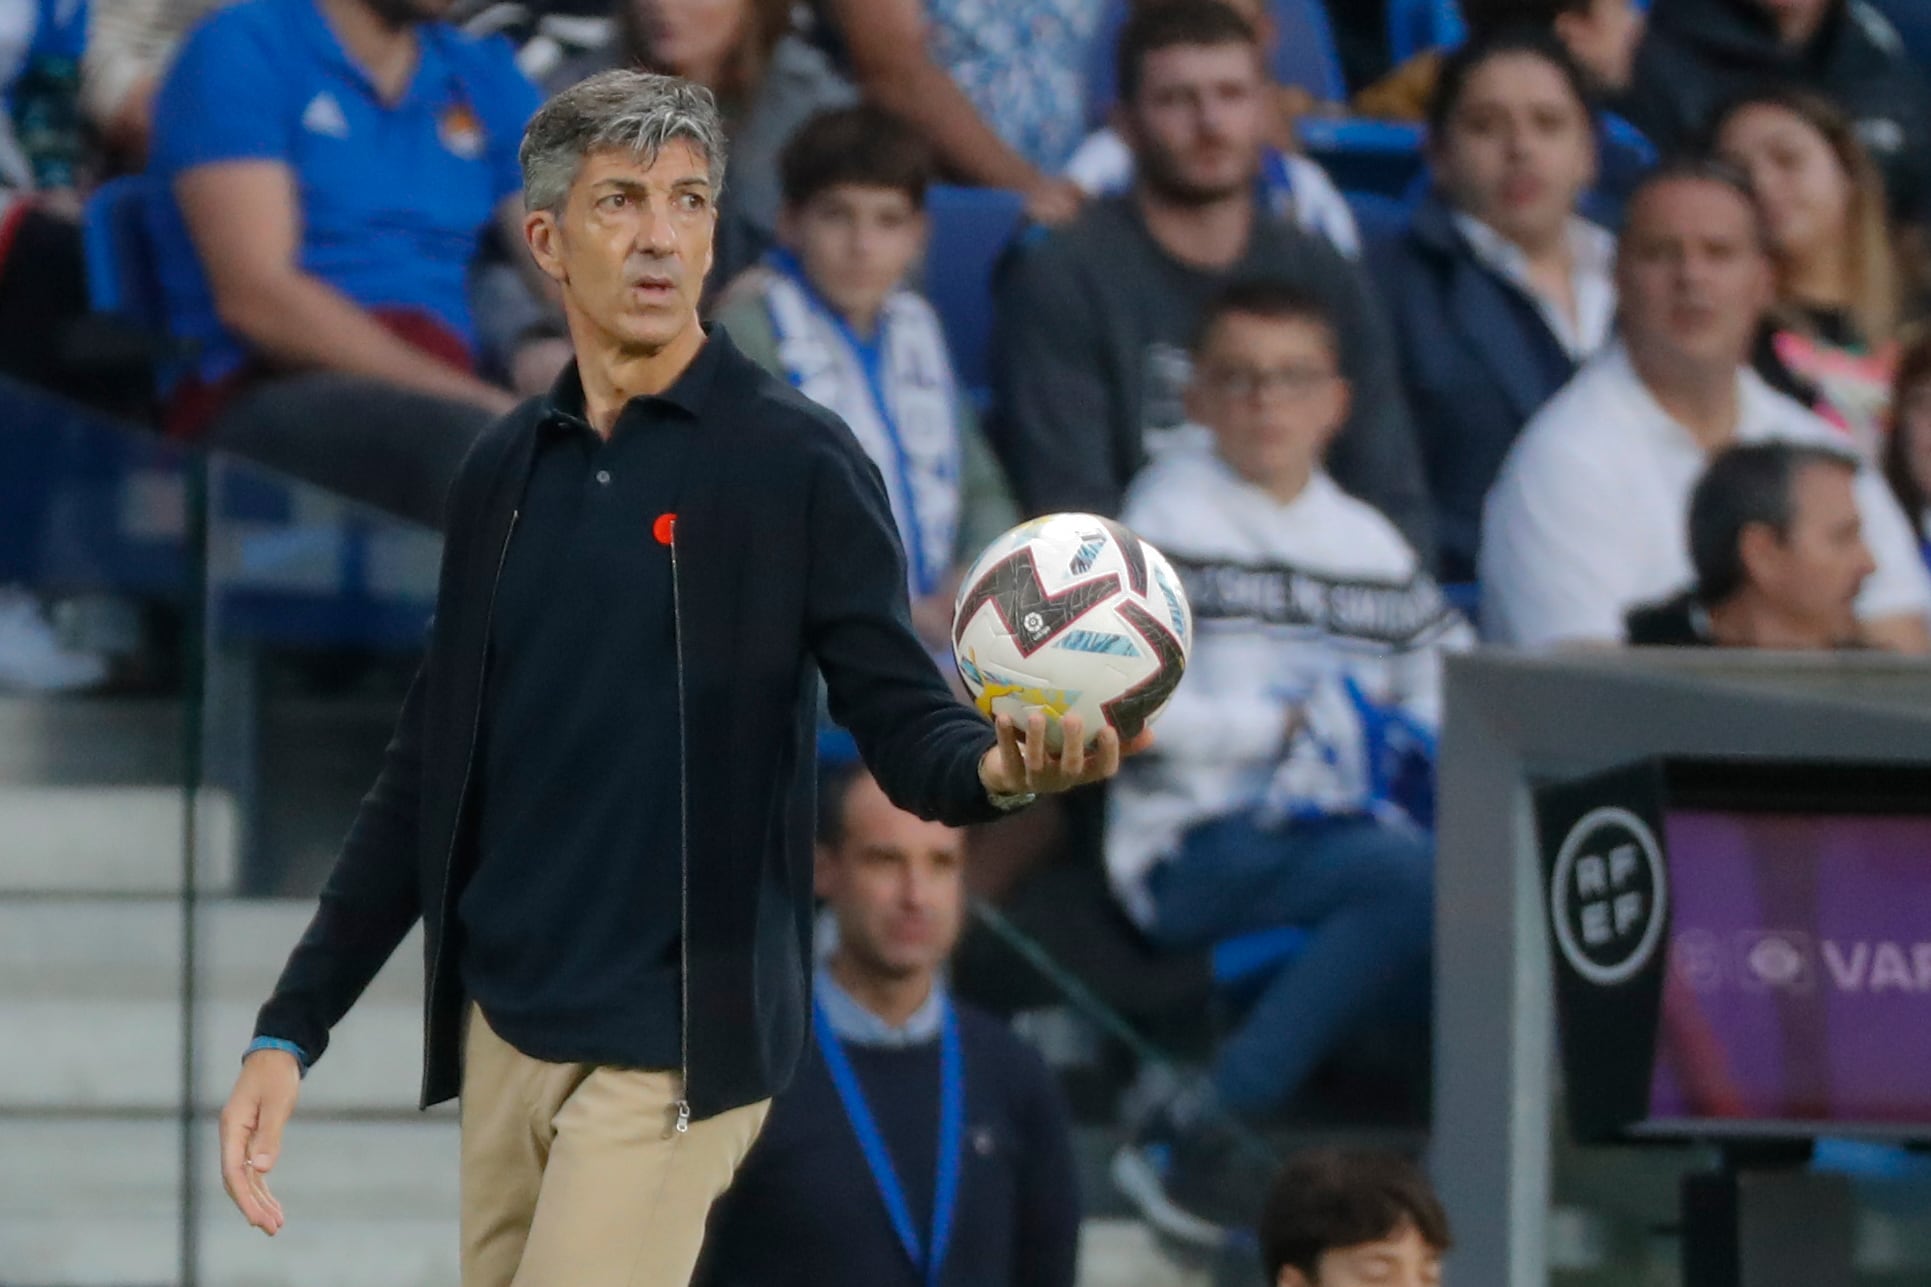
(871, 360)
(945, 1193)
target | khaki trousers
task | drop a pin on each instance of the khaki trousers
(574, 1176)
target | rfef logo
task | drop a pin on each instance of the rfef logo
(1609, 899)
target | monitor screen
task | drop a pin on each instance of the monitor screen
(1797, 993)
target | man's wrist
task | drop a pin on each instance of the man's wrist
(277, 1043)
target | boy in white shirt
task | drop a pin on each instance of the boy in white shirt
(1587, 518)
(1275, 796)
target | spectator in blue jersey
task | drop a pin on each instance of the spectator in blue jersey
(330, 167)
(1499, 289)
(920, 1142)
(831, 312)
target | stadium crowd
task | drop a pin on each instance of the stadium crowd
(1635, 357)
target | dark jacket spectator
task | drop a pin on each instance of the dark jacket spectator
(1697, 53)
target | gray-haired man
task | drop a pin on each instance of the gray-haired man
(598, 799)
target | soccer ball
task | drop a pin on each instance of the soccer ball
(1068, 614)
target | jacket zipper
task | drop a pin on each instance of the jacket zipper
(683, 850)
(469, 768)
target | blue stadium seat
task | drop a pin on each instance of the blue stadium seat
(1381, 218)
(1381, 157)
(1418, 25)
(1912, 18)
(122, 277)
(1305, 53)
(971, 228)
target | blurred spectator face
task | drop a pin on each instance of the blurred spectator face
(856, 243)
(632, 243)
(896, 884)
(1804, 192)
(1197, 124)
(1271, 391)
(1517, 152)
(1402, 1259)
(1811, 574)
(692, 38)
(1603, 38)
(1692, 272)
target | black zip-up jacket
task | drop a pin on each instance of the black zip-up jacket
(784, 553)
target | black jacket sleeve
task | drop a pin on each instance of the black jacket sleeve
(922, 745)
(368, 904)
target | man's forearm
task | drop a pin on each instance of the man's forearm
(301, 322)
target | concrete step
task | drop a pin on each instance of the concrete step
(90, 1002)
(114, 839)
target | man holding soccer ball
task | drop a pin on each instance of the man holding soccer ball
(598, 797)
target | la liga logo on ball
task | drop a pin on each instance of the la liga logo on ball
(1072, 614)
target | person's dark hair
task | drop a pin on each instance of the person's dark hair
(1742, 487)
(1153, 27)
(862, 145)
(1270, 298)
(1700, 167)
(1913, 373)
(835, 782)
(1503, 42)
(1330, 1199)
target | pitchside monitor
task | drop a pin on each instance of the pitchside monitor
(1742, 948)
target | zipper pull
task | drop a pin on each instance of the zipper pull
(683, 1117)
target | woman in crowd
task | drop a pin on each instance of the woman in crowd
(1830, 342)
(1907, 456)
(1499, 289)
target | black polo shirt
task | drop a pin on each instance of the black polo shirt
(572, 922)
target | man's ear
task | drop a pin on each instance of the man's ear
(1292, 1277)
(542, 233)
(1757, 547)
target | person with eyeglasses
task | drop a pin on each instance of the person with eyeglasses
(1291, 785)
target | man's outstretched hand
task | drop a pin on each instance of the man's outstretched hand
(251, 1133)
(1025, 766)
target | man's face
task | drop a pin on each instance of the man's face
(1517, 152)
(1197, 123)
(856, 244)
(1812, 574)
(1693, 274)
(1271, 391)
(896, 884)
(632, 243)
(1403, 1259)
(1802, 17)
(1603, 38)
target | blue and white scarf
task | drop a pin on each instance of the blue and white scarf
(896, 392)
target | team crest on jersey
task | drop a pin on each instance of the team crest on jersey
(460, 131)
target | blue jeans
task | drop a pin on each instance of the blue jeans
(1364, 892)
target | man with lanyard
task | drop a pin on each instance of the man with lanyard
(846, 1185)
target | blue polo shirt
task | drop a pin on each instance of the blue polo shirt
(393, 197)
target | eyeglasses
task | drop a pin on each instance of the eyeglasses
(1241, 382)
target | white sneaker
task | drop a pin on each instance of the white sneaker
(32, 658)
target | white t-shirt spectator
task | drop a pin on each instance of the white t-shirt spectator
(1590, 514)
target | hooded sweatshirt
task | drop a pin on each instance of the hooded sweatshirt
(1316, 665)
(1697, 53)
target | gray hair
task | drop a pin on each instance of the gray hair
(636, 111)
